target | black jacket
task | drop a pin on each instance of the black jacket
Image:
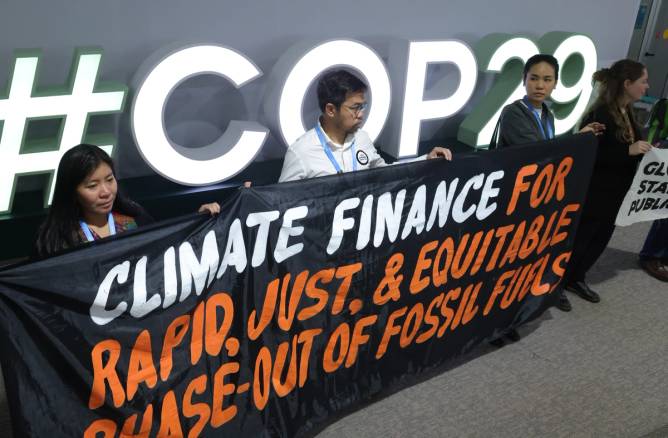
(614, 168)
(518, 125)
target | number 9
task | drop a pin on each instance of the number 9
(565, 45)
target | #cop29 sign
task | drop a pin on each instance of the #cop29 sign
(401, 81)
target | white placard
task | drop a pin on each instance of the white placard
(647, 199)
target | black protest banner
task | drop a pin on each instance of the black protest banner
(300, 302)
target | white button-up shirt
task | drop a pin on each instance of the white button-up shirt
(306, 158)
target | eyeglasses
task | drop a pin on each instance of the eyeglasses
(358, 108)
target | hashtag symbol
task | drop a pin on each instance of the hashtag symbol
(80, 99)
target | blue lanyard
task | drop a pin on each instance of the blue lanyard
(89, 234)
(328, 151)
(537, 115)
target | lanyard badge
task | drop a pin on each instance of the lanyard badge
(89, 234)
(537, 115)
(329, 153)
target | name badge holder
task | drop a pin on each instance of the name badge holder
(537, 115)
(328, 151)
(89, 234)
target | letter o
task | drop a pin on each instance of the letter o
(320, 58)
(147, 117)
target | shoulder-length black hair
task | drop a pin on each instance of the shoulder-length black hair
(537, 59)
(60, 229)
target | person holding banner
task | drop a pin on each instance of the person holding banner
(87, 204)
(530, 120)
(336, 144)
(619, 151)
(654, 253)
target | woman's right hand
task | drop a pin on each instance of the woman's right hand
(639, 147)
(595, 128)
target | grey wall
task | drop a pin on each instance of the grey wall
(130, 31)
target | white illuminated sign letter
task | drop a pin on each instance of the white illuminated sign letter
(169, 159)
(415, 109)
(345, 53)
(582, 88)
(84, 97)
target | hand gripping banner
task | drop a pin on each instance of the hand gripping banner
(300, 302)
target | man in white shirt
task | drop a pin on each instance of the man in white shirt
(336, 144)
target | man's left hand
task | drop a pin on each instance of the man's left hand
(439, 152)
(212, 208)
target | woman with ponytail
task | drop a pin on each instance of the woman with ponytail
(620, 149)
